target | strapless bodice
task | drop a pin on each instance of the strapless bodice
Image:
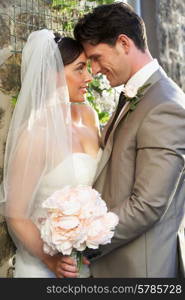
(76, 169)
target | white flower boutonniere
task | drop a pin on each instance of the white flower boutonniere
(133, 94)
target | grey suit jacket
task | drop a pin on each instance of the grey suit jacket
(141, 177)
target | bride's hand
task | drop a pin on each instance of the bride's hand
(67, 266)
(62, 266)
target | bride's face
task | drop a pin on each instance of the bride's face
(77, 77)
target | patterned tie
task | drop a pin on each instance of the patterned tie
(121, 103)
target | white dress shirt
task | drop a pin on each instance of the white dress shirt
(141, 76)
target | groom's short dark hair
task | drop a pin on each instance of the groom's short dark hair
(106, 22)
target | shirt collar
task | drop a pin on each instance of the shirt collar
(141, 76)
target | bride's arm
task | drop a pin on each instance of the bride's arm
(21, 184)
(29, 236)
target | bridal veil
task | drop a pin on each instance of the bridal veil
(40, 134)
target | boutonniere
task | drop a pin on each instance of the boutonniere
(133, 94)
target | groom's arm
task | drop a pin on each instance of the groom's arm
(159, 171)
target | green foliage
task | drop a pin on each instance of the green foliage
(64, 4)
(57, 4)
(94, 88)
(14, 99)
(100, 2)
(102, 115)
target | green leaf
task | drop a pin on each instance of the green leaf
(142, 88)
(14, 99)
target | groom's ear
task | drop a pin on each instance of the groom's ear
(125, 42)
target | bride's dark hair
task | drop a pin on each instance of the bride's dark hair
(70, 49)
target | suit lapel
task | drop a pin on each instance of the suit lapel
(103, 134)
(108, 147)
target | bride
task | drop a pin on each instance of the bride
(53, 141)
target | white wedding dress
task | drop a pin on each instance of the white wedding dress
(85, 167)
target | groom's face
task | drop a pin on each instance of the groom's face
(109, 60)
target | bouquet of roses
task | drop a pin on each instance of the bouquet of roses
(77, 218)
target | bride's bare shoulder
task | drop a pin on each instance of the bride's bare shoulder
(90, 115)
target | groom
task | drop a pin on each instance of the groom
(141, 174)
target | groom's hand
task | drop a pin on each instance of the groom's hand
(85, 261)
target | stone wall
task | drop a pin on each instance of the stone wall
(170, 18)
(6, 245)
(9, 82)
